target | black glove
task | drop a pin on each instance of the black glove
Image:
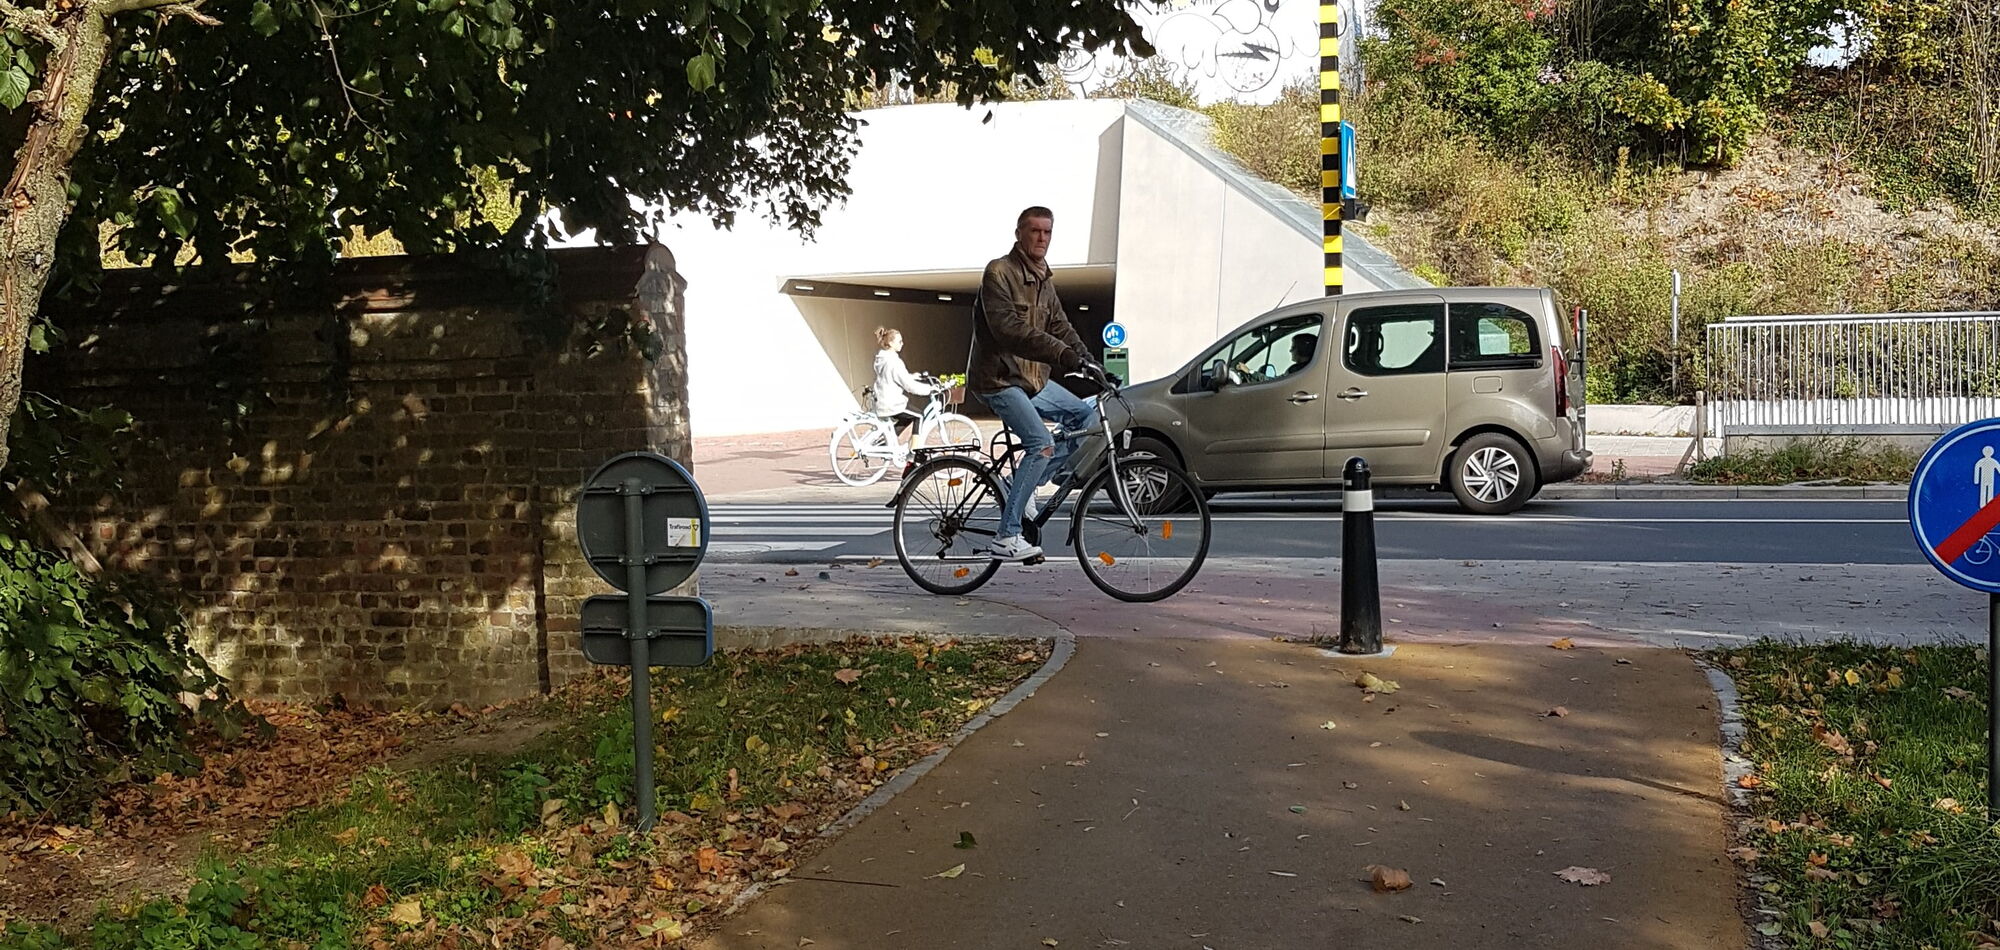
(1072, 361)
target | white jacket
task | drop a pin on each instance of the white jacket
(894, 384)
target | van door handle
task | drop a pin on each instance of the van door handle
(1354, 394)
(1302, 398)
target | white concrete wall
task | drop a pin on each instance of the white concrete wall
(1197, 256)
(934, 188)
(936, 337)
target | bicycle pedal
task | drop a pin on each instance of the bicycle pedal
(1037, 559)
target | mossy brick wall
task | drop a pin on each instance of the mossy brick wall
(396, 524)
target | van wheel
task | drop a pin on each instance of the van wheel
(1491, 474)
(1147, 447)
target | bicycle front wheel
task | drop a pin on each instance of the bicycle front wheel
(1143, 537)
(951, 429)
(861, 451)
(946, 517)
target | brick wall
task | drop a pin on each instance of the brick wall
(397, 525)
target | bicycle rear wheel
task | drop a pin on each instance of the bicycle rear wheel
(860, 451)
(946, 516)
(1144, 542)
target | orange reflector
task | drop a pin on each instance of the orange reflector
(1106, 557)
(1167, 530)
(954, 483)
(961, 572)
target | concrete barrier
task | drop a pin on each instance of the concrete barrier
(1606, 419)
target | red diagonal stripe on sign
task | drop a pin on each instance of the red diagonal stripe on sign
(1969, 533)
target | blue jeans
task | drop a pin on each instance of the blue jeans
(1044, 458)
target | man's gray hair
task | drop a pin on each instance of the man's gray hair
(1036, 211)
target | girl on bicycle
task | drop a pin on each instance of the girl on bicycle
(894, 383)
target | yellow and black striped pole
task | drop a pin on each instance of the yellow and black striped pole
(1330, 192)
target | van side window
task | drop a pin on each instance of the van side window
(1493, 336)
(1396, 340)
(1268, 352)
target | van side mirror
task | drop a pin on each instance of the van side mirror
(1221, 374)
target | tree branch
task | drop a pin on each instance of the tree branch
(32, 21)
(167, 8)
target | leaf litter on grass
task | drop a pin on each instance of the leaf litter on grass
(521, 850)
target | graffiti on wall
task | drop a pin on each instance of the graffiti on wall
(1228, 49)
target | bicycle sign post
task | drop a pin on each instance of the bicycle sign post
(643, 525)
(1955, 511)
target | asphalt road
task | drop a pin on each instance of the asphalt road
(1727, 532)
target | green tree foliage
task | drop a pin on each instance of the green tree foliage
(1689, 78)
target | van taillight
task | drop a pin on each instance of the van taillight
(1562, 380)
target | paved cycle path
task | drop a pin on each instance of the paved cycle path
(1165, 793)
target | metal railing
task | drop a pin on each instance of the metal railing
(1864, 373)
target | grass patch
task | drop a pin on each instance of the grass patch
(1869, 823)
(1810, 460)
(756, 752)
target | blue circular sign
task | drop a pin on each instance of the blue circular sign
(1955, 505)
(1114, 334)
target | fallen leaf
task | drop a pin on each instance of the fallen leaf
(848, 676)
(1327, 724)
(669, 714)
(1958, 694)
(1821, 874)
(376, 896)
(552, 809)
(1406, 918)
(1439, 882)
(610, 814)
(513, 861)
(1816, 859)
(1386, 879)
(794, 572)
(1564, 644)
(951, 872)
(1298, 809)
(1559, 712)
(1079, 763)
(1749, 781)
(874, 562)
(346, 838)
(1371, 683)
(708, 860)
(1587, 877)
(1895, 677)
(1832, 740)
(755, 744)
(1048, 941)
(1950, 805)
(1402, 806)
(407, 913)
(1885, 783)
(1746, 855)
(1818, 929)
(966, 840)
(1852, 678)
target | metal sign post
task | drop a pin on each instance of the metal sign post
(643, 526)
(1954, 511)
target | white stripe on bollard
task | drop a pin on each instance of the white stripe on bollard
(1357, 501)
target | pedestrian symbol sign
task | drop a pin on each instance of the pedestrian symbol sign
(1953, 508)
(1114, 334)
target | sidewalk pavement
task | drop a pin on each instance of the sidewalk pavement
(1164, 793)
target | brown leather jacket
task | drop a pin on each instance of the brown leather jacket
(1019, 329)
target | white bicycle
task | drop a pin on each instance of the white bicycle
(864, 445)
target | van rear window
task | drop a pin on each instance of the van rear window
(1493, 335)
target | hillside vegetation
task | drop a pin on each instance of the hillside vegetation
(1595, 146)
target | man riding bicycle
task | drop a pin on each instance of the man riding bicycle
(1019, 331)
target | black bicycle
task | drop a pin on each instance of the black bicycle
(1140, 526)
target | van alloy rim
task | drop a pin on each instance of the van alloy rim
(1491, 474)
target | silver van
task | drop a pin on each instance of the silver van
(1476, 389)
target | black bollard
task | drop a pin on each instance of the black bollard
(1360, 592)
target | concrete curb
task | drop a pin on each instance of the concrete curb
(1727, 492)
(1063, 648)
(1735, 765)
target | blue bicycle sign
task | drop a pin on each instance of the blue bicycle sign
(1953, 506)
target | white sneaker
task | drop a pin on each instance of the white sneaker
(1014, 548)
